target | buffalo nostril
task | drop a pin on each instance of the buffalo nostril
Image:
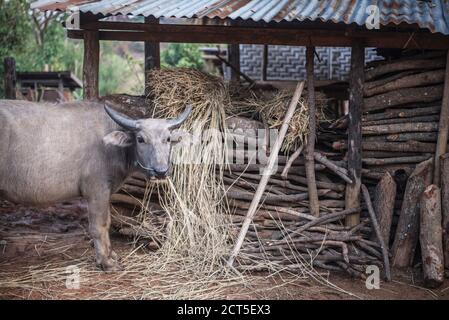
(161, 173)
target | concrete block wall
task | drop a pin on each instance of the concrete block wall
(288, 63)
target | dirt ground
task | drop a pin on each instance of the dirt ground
(32, 240)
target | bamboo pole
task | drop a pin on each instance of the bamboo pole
(267, 172)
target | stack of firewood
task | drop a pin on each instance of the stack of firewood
(401, 114)
(283, 231)
(400, 124)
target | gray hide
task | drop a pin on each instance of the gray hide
(50, 153)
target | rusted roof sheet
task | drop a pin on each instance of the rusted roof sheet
(429, 14)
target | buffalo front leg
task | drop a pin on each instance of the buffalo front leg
(99, 223)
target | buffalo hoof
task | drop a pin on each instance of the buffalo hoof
(111, 264)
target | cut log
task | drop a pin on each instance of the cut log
(430, 237)
(384, 198)
(427, 118)
(409, 146)
(384, 80)
(417, 136)
(412, 159)
(403, 96)
(402, 113)
(412, 64)
(407, 232)
(399, 128)
(444, 169)
(409, 81)
(389, 154)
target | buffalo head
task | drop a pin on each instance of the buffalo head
(152, 139)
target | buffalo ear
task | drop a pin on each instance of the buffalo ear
(118, 139)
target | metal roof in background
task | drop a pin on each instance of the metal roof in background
(428, 14)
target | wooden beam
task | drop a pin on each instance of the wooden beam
(356, 80)
(91, 64)
(234, 60)
(129, 31)
(443, 127)
(264, 62)
(314, 205)
(152, 55)
(10, 78)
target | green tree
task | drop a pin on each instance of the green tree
(38, 42)
(182, 55)
(14, 28)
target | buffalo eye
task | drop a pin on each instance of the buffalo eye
(140, 139)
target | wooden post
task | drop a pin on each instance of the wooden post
(445, 205)
(152, 55)
(430, 237)
(356, 81)
(10, 78)
(234, 59)
(264, 62)
(314, 205)
(91, 63)
(443, 127)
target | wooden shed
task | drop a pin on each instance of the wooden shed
(390, 24)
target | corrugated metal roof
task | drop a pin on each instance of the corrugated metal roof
(429, 14)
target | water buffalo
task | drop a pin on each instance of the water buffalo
(50, 153)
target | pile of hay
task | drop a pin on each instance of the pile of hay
(273, 106)
(193, 196)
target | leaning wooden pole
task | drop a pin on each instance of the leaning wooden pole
(443, 127)
(356, 81)
(267, 172)
(314, 205)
